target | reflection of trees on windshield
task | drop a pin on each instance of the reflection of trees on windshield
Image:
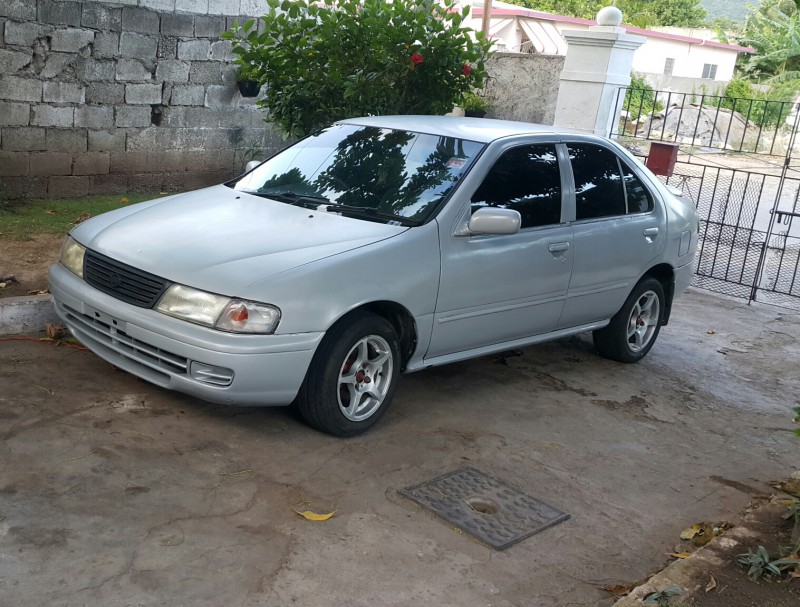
(369, 164)
(292, 180)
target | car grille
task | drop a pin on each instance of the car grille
(122, 281)
(106, 331)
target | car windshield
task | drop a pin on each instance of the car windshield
(384, 172)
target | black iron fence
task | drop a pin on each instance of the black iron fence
(757, 126)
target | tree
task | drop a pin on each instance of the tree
(325, 62)
(774, 32)
(641, 13)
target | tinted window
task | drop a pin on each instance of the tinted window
(598, 183)
(639, 199)
(526, 179)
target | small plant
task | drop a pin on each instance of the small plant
(662, 598)
(474, 105)
(640, 99)
(796, 420)
(760, 565)
(246, 73)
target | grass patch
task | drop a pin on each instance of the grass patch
(21, 219)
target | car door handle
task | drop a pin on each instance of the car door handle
(651, 232)
(557, 247)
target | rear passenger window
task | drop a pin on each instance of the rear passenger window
(638, 197)
(599, 191)
(526, 179)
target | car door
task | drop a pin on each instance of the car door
(618, 232)
(498, 288)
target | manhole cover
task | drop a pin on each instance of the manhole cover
(485, 507)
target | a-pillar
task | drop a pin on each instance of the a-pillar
(597, 66)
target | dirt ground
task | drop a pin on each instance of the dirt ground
(27, 261)
(115, 492)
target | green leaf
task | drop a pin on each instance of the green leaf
(248, 25)
(226, 36)
(273, 4)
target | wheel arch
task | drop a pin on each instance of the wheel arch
(665, 274)
(399, 317)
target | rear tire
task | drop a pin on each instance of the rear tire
(634, 329)
(352, 377)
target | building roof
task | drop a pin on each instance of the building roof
(502, 9)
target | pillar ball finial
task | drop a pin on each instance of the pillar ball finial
(610, 16)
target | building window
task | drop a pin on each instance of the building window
(709, 71)
(669, 65)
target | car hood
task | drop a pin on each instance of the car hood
(221, 240)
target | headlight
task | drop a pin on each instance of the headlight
(72, 256)
(218, 312)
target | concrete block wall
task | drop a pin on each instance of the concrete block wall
(108, 97)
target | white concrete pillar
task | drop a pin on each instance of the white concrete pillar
(598, 63)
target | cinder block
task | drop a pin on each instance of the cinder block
(131, 69)
(12, 61)
(140, 20)
(106, 141)
(153, 138)
(23, 187)
(137, 46)
(172, 70)
(131, 163)
(199, 7)
(159, 5)
(132, 116)
(66, 140)
(91, 163)
(71, 40)
(64, 92)
(210, 26)
(109, 184)
(177, 25)
(58, 63)
(222, 50)
(167, 48)
(59, 13)
(223, 7)
(105, 93)
(49, 115)
(24, 139)
(194, 50)
(143, 93)
(95, 69)
(96, 117)
(219, 95)
(14, 164)
(148, 182)
(101, 17)
(203, 72)
(68, 187)
(23, 10)
(14, 114)
(51, 163)
(2, 31)
(188, 95)
(106, 44)
(24, 34)
(213, 160)
(254, 8)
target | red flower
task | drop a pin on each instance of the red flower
(466, 69)
(416, 58)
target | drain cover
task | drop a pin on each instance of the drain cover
(485, 507)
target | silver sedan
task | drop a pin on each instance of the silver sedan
(374, 247)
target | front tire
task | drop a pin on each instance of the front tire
(351, 380)
(634, 329)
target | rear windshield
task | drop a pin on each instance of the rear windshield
(393, 172)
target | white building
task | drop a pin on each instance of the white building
(519, 29)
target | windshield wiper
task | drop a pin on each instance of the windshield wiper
(370, 212)
(309, 201)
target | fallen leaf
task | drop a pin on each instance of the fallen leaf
(82, 217)
(711, 332)
(2, 285)
(52, 212)
(313, 516)
(619, 589)
(55, 331)
(712, 583)
(679, 555)
(124, 200)
(690, 532)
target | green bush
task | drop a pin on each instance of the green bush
(640, 98)
(323, 63)
(762, 108)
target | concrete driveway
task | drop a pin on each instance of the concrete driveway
(117, 493)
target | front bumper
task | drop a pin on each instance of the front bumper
(212, 365)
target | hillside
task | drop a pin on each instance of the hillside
(732, 9)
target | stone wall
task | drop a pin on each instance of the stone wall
(107, 97)
(523, 87)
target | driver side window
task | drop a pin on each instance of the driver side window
(526, 179)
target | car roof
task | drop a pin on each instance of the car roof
(482, 130)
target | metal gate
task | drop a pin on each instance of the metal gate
(735, 164)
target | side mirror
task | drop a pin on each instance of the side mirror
(489, 220)
(251, 165)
